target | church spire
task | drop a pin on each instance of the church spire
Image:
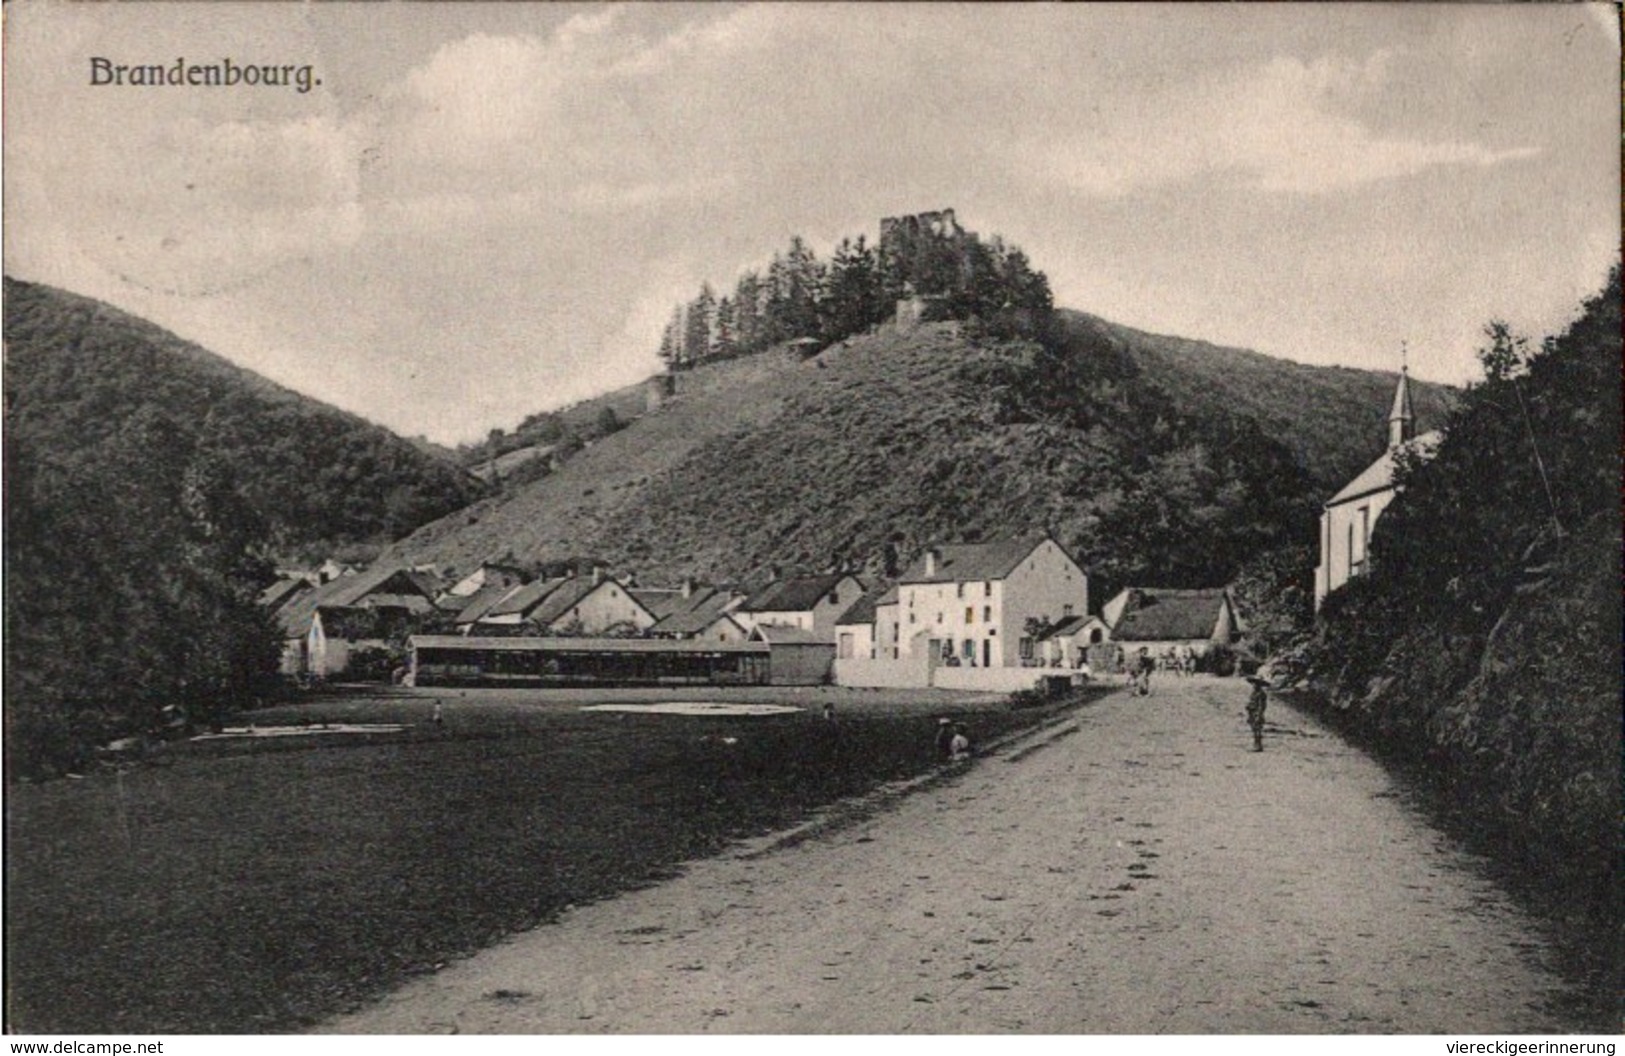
(1402, 420)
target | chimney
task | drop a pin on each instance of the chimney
(933, 557)
(688, 586)
(597, 574)
(773, 573)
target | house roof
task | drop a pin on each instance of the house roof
(1379, 475)
(863, 610)
(563, 599)
(1157, 615)
(1067, 627)
(410, 602)
(1072, 626)
(798, 594)
(708, 606)
(351, 589)
(966, 562)
(358, 622)
(480, 602)
(483, 572)
(522, 600)
(347, 592)
(660, 601)
(773, 634)
(669, 601)
(277, 593)
(692, 622)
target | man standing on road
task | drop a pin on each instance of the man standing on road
(1143, 667)
(1255, 710)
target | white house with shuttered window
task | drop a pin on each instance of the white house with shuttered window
(969, 603)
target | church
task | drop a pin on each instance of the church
(1348, 517)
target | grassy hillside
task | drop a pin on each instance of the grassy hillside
(564, 514)
(902, 438)
(78, 372)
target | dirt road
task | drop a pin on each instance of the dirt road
(1137, 869)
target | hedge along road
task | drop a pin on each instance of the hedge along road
(1138, 869)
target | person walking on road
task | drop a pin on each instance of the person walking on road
(1141, 677)
(1255, 710)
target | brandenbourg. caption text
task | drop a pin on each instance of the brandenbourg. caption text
(224, 73)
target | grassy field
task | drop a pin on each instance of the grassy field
(256, 885)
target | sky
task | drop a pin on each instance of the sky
(483, 211)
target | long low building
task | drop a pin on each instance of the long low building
(443, 660)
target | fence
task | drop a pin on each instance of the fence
(991, 679)
(911, 672)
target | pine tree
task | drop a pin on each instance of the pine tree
(853, 298)
(697, 331)
(724, 343)
(803, 280)
(748, 313)
(672, 341)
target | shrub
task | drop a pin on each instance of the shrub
(1220, 659)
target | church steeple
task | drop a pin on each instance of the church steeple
(1402, 420)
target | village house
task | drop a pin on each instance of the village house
(488, 574)
(810, 603)
(861, 630)
(573, 605)
(970, 603)
(322, 627)
(332, 569)
(1348, 518)
(1164, 621)
(797, 656)
(694, 613)
(477, 605)
(855, 628)
(509, 610)
(1067, 643)
(885, 628)
(279, 593)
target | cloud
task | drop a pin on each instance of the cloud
(485, 212)
(211, 205)
(606, 196)
(1282, 126)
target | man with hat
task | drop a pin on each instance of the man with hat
(1255, 708)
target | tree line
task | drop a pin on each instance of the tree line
(801, 296)
(132, 583)
(149, 485)
(1486, 638)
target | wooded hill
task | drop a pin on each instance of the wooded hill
(148, 484)
(1156, 459)
(1486, 641)
(79, 371)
